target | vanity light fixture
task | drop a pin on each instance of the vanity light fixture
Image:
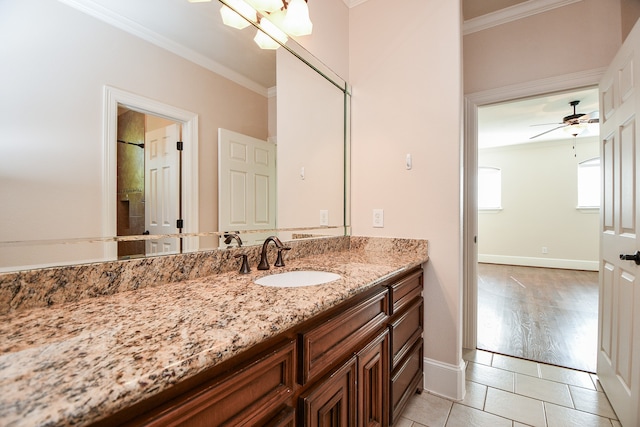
(282, 17)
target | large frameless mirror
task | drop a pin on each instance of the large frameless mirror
(144, 128)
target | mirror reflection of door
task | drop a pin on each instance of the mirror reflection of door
(148, 198)
(247, 182)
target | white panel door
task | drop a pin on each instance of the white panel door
(619, 317)
(162, 196)
(246, 185)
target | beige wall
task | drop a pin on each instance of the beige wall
(57, 61)
(539, 199)
(581, 36)
(329, 41)
(406, 75)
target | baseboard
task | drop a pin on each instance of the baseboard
(444, 380)
(569, 264)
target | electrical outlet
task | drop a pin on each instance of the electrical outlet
(324, 217)
(378, 218)
(545, 250)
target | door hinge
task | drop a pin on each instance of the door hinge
(179, 145)
(180, 223)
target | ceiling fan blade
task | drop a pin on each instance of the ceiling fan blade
(547, 124)
(550, 130)
(594, 120)
(586, 118)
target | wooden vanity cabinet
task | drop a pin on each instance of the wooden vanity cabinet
(406, 342)
(355, 364)
(388, 363)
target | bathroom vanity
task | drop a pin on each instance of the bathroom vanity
(222, 350)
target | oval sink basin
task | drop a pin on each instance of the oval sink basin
(296, 279)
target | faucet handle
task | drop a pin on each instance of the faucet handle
(244, 268)
(279, 260)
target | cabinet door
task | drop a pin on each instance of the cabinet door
(372, 383)
(333, 402)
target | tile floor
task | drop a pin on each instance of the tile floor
(510, 392)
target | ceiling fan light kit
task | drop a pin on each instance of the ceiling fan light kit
(574, 124)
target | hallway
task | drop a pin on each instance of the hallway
(541, 314)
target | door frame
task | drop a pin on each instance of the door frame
(472, 102)
(189, 122)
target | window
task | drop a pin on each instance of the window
(489, 188)
(589, 183)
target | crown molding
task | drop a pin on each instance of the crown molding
(131, 27)
(353, 3)
(512, 13)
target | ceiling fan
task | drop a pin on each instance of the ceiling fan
(579, 120)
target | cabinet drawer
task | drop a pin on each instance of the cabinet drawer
(404, 291)
(330, 341)
(244, 397)
(405, 331)
(406, 380)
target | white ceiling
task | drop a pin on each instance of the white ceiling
(515, 122)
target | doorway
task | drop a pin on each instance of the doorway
(117, 101)
(148, 183)
(473, 238)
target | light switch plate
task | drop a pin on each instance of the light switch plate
(324, 217)
(378, 218)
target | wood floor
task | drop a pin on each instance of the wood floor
(541, 314)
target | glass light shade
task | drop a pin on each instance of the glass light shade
(275, 32)
(277, 18)
(265, 42)
(576, 129)
(266, 5)
(232, 19)
(297, 21)
(241, 8)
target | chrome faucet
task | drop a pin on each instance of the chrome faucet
(264, 264)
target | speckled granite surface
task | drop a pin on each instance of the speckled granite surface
(76, 362)
(52, 286)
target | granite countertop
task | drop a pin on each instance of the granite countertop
(78, 362)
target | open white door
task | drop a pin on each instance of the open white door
(246, 185)
(162, 198)
(619, 316)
